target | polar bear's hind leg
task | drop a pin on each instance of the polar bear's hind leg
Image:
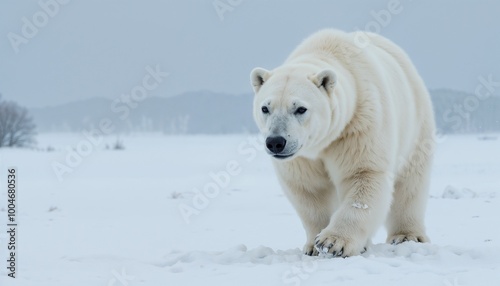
(406, 218)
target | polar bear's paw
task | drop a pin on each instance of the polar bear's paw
(339, 246)
(310, 250)
(400, 238)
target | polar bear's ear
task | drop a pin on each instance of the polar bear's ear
(325, 79)
(258, 76)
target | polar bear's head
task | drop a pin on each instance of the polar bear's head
(292, 109)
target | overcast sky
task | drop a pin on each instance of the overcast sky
(102, 48)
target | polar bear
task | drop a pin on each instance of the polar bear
(349, 124)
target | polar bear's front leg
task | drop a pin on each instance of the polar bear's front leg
(365, 201)
(314, 207)
(314, 210)
(308, 187)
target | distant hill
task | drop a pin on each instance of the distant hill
(190, 113)
(462, 112)
(207, 112)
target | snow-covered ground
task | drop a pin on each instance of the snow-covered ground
(116, 219)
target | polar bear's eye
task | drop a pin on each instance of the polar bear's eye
(301, 110)
(265, 110)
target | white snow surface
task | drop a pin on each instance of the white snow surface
(115, 219)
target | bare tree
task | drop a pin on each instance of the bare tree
(16, 125)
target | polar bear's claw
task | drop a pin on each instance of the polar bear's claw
(400, 238)
(310, 250)
(337, 245)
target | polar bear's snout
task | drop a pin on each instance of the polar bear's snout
(281, 148)
(276, 144)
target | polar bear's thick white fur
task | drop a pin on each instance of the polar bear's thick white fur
(350, 127)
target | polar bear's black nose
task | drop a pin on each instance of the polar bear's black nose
(275, 144)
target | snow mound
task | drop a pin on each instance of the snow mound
(413, 263)
(455, 193)
(410, 251)
(237, 254)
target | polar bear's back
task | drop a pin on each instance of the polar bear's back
(382, 68)
(410, 73)
(329, 42)
(411, 95)
(360, 50)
